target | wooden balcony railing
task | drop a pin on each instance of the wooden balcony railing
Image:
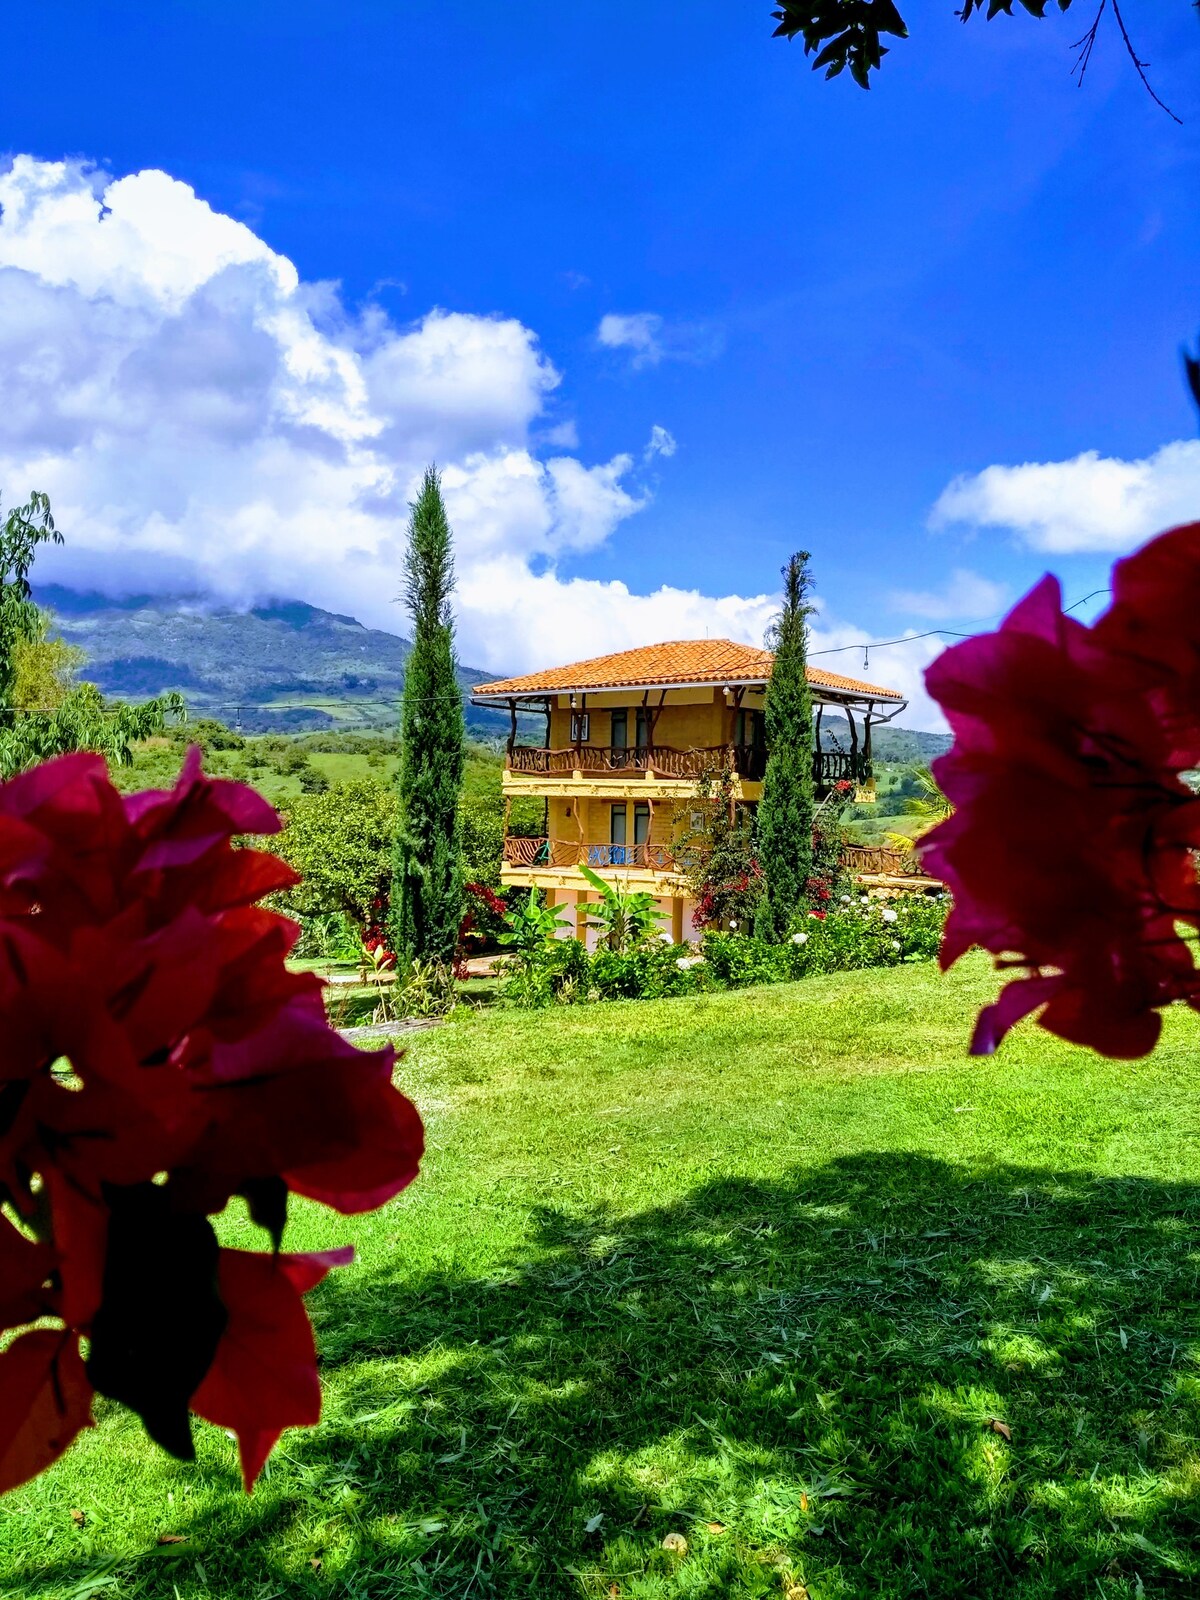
(600, 857)
(874, 860)
(664, 761)
(881, 860)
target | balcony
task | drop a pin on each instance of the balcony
(664, 761)
(520, 852)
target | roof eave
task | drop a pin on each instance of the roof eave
(488, 697)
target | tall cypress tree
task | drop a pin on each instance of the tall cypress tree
(426, 902)
(785, 813)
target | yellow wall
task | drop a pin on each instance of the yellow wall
(689, 718)
(595, 818)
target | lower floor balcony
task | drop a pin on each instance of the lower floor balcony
(553, 860)
(522, 852)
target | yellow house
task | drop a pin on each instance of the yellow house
(628, 735)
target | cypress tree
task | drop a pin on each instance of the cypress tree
(427, 891)
(785, 813)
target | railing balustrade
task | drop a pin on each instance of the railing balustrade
(881, 860)
(521, 852)
(665, 761)
(856, 859)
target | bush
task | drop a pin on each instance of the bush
(648, 972)
(331, 937)
(557, 973)
(856, 932)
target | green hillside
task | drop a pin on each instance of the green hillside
(283, 667)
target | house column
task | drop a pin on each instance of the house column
(677, 920)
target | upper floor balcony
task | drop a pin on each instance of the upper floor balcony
(748, 762)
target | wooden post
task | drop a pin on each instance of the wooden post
(546, 740)
(853, 743)
(677, 920)
(818, 774)
(512, 729)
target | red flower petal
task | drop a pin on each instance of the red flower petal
(45, 1400)
(24, 1268)
(264, 1375)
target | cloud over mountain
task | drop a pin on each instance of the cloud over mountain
(205, 421)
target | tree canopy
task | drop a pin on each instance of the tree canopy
(841, 34)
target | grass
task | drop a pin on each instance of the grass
(779, 1271)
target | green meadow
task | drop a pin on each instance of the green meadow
(779, 1277)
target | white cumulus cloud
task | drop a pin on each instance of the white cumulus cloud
(1091, 503)
(207, 422)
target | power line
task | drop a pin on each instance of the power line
(937, 633)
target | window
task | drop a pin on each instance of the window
(641, 822)
(751, 729)
(620, 730)
(617, 825)
(580, 722)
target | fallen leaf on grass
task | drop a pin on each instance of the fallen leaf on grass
(592, 1525)
(715, 1527)
(803, 1501)
(172, 1538)
(613, 1592)
(796, 1592)
(315, 1563)
(1002, 1428)
(78, 1517)
(676, 1544)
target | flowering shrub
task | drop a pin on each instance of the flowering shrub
(1072, 849)
(649, 972)
(158, 1058)
(855, 932)
(483, 919)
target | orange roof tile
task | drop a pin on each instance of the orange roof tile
(678, 662)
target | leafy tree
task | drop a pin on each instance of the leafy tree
(45, 669)
(625, 918)
(850, 33)
(43, 712)
(785, 813)
(22, 531)
(427, 893)
(341, 842)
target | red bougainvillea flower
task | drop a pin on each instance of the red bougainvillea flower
(157, 1058)
(1071, 851)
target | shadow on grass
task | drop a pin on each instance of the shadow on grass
(813, 1380)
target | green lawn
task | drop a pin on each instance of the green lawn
(778, 1271)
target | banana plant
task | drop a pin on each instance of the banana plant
(625, 918)
(531, 927)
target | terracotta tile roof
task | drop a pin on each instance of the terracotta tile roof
(680, 661)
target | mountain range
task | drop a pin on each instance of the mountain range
(287, 667)
(283, 667)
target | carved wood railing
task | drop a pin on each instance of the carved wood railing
(882, 861)
(520, 852)
(665, 761)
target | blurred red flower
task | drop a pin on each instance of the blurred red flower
(159, 1058)
(1071, 851)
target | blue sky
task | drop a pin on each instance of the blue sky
(833, 305)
